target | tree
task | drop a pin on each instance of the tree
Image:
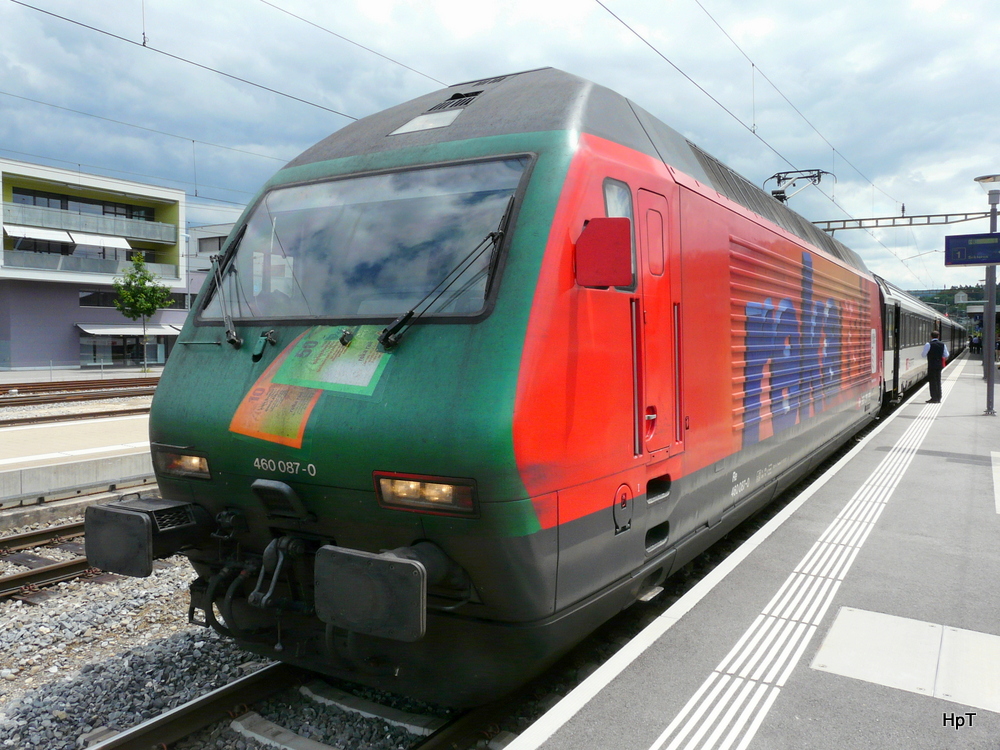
(140, 296)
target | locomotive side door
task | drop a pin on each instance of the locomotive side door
(662, 425)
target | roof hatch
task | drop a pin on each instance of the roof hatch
(441, 115)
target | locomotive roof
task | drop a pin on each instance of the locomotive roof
(549, 99)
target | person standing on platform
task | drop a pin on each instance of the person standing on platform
(936, 352)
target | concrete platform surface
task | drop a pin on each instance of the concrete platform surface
(866, 614)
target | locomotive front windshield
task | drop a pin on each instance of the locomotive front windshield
(370, 247)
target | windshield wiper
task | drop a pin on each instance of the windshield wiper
(495, 253)
(392, 333)
(227, 319)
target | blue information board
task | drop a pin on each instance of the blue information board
(972, 250)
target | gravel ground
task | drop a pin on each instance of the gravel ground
(114, 654)
(75, 407)
(105, 655)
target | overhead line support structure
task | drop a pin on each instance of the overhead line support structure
(918, 220)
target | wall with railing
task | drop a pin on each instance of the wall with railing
(54, 218)
(81, 264)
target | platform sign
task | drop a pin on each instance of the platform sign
(972, 250)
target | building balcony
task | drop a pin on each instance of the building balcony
(78, 264)
(54, 218)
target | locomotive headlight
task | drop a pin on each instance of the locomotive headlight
(425, 494)
(177, 464)
(438, 493)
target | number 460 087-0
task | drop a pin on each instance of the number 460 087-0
(284, 467)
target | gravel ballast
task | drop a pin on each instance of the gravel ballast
(107, 655)
(112, 655)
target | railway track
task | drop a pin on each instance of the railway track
(42, 571)
(47, 394)
(93, 395)
(69, 417)
(235, 702)
(69, 386)
(234, 705)
(218, 705)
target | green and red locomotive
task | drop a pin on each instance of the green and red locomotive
(477, 372)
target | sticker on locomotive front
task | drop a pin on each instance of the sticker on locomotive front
(276, 412)
(321, 359)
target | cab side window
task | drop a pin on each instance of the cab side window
(618, 204)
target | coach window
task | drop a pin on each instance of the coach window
(618, 204)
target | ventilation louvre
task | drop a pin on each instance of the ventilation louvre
(172, 518)
(456, 101)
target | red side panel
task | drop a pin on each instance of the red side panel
(733, 331)
(573, 411)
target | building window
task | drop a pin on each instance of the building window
(210, 245)
(42, 246)
(122, 351)
(105, 298)
(81, 205)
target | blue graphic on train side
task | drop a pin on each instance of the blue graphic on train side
(803, 354)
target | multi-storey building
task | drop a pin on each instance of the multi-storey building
(66, 236)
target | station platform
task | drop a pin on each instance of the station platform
(866, 614)
(58, 461)
(51, 461)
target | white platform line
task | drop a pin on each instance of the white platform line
(535, 735)
(74, 453)
(886, 476)
(818, 602)
(996, 479)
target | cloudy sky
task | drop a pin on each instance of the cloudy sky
(896, 98)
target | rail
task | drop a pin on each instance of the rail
(40, 418)
(72, 386)
(46, 575)
(218, 705)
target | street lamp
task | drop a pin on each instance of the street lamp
(990, 312)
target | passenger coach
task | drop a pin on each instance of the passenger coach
(908, 324)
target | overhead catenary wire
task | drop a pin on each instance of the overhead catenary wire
(835, 151)
(61, 173)
(351, 41)
(788, 101)
(697, 85)
(184, 60)
(142, 127)
(174, 135)
(750, 128)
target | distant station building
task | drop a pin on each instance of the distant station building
(66, 236)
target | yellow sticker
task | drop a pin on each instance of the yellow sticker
(275, 412)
